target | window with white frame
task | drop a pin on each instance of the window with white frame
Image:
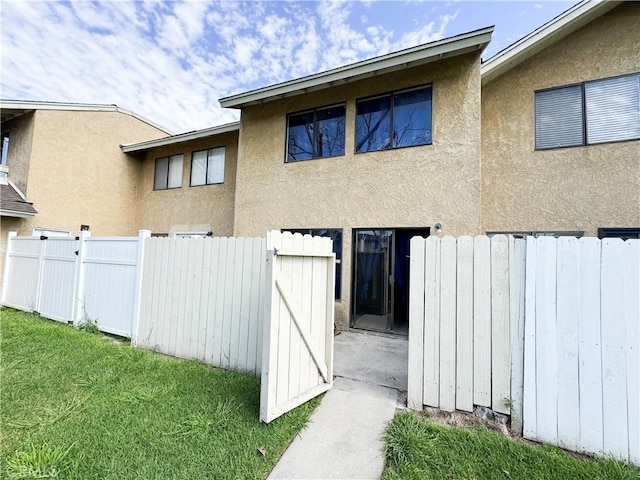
(598, 111)
(168, 172)
(207, 166)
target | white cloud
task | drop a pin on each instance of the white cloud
(171, 61)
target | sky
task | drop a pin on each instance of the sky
(170, 61)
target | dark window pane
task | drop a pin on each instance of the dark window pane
(300, 137)
(330, 139)
(412, 118)
(373, 124)
(335, 235)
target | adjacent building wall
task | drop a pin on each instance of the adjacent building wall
(409, 187)
(186, 209)
(579, 188)
(20, 131)
(78, 173)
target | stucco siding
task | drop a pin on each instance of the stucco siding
(79, 175)
(408, 187)
(568, 189)
(199, 208)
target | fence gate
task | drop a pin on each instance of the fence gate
(297, 362)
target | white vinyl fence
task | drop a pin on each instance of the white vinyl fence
(73, 280)
(202, 298)
(582, 345)
(546, 330)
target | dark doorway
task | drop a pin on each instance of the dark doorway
(381, 279)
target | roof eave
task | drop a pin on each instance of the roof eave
(411, 57)
(28, 105)
(12, 213)
(180, 138)
(548, 34)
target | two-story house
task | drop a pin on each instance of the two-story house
(543, 138)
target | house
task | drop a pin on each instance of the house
(63, 168)
(541, 139)
(560, 126)
(188, 182)
(316, 154)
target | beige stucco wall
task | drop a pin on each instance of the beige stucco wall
(78, 173)
(580, 188)
(410, 187)
(20, 130)
(186, 209)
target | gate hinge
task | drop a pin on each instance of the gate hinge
(44, 237)
(275, 252)
(76, 252)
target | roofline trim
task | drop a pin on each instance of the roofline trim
(14, 214)
(555, 29)
(179, 138)
(82, 107)
(476, 39)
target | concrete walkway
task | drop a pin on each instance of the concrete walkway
(343, 438)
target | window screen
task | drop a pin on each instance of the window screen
(207, 166)
(613, 109)
(168, 172)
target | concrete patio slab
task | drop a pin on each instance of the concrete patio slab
(377, 359)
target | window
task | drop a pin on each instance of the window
(334, 234)
(168, 172)
(593, 112)
(315, 134)
(207, 166)
(622, 232)
(400, 119)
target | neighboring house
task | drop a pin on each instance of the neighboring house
(188, 182)
(66, 160)
(561, 126)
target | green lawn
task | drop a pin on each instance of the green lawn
(75, 405)
(416, 448)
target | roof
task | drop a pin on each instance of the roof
(468, 42)
(13, 203)
(180, 138)
(15, 108)
(548, 34)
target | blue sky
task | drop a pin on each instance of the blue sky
(171, 61)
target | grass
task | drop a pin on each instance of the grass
(416, 448)
(75, 405)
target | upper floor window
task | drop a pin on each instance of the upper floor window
(168, 173)
(315, 134)
(394, 120)
(207, 166)
(599, 111)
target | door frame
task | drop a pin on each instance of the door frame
(390, 287)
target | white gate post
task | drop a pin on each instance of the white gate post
(36, 304)
(7, 267)
(78, 304)
(137, 295)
